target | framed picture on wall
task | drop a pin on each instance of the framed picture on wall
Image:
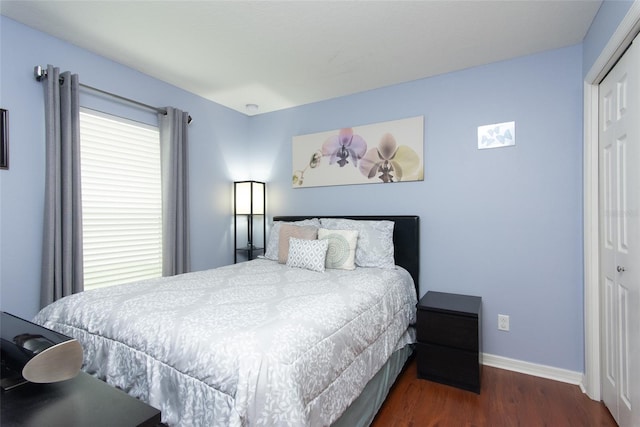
(4, 139)
(378, 153)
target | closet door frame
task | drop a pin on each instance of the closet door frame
(618, 43)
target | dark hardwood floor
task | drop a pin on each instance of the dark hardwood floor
(506, 399)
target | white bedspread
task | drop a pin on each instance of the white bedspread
(251, 344)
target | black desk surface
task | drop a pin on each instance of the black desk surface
(81, 401)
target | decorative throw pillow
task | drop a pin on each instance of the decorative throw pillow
(309, 254)
(271, 251)
(375, 240)
(342, 248)
(307, 232)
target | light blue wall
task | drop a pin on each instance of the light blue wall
(505, 224)
(605, 23)
(218, 151)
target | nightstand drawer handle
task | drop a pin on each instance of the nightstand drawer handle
(620, 269)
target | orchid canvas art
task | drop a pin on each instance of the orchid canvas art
(377, 153)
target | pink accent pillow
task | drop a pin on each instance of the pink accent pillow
(306, 232)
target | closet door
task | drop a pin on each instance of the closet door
(619, 150)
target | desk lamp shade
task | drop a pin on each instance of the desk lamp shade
(38, 354)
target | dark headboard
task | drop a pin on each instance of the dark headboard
(406, 239)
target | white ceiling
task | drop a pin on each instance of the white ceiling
(281, 54)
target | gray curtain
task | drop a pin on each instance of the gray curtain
(62, 272)
(175, 191)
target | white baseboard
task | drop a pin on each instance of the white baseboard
(543, 371)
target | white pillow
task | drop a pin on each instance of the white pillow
(375, 240)
(271, 251)
(309, 254)
(341, 253)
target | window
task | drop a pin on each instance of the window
(121, 200)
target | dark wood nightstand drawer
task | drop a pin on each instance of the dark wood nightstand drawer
(447, 329)
(458, 368)
(449, 348)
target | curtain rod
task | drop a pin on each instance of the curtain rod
(41, 73)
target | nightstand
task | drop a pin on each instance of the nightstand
(449, 348)
(248, 252)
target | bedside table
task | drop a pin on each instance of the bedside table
(449, 349)
(81, 401)
(249, 252)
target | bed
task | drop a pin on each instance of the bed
(259, 342)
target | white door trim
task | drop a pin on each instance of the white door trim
(618, 43)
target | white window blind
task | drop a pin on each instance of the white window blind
(121, 200)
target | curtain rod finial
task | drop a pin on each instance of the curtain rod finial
(39, 73)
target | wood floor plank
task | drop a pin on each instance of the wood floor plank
(507, 399)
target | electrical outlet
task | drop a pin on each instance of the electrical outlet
(503, 322)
